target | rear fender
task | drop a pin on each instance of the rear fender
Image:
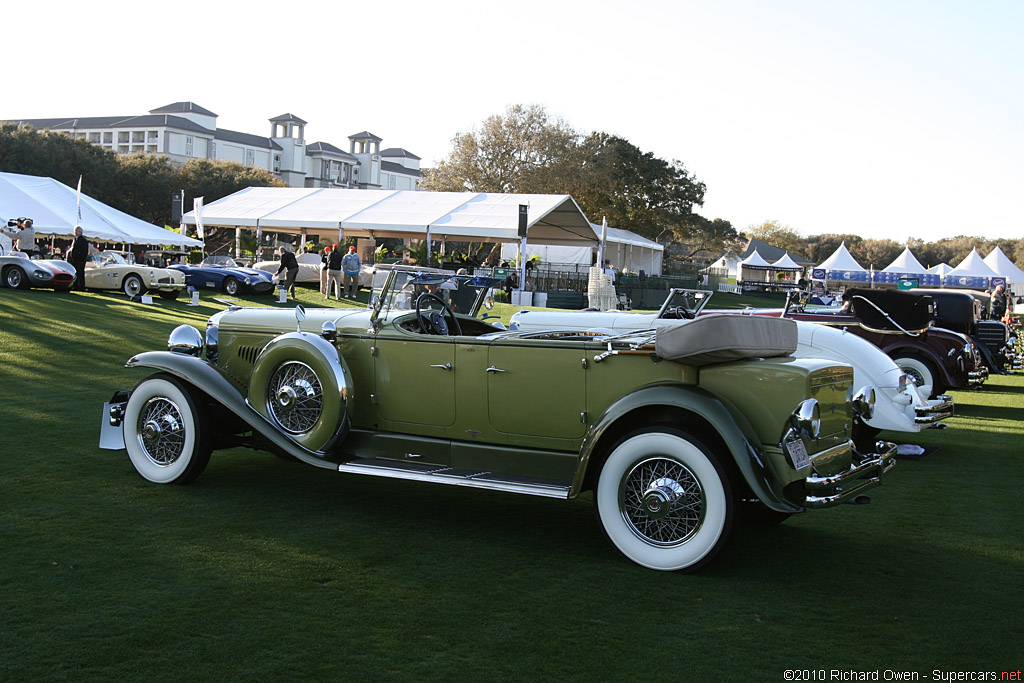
(738, 437)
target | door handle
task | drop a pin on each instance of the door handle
(494, 369)
(446, 366)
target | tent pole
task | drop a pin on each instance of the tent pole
(428, 247)
(259, 241)
(238, 242)
(341, 235)
(522, 266)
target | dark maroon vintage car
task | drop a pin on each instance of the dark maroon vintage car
(901, 325)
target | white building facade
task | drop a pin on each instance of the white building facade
(184, 130)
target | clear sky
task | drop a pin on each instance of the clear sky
(884, 118)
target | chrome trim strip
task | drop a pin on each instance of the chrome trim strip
(441, 476)
(936, 412)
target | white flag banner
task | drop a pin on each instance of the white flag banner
(78, 200)
(197, 204)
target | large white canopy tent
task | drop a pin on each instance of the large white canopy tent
(333, 212)
(625, 250)
(54, 207)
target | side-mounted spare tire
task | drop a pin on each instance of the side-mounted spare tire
(300, 385)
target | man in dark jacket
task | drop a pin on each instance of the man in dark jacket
(291, 265)
(78, 254)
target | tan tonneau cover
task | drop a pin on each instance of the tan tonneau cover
(726, 337)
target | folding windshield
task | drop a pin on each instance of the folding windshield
(684, 303)
(399, 290)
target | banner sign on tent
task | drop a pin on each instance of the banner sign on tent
(818, 274)
(849, 275)
(925, 279)
(972, 281)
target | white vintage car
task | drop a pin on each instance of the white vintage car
(900, 406)
(310, 266)
(110, 270)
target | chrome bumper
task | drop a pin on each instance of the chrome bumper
(827, 490)
(977, 377)
(939, 410)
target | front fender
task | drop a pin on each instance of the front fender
(200, 374)
(743, 449)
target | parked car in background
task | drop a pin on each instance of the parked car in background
(672, 432)
(967, 312)
(18, 271)
(901, 405)
(310, 266)
(901, 325)
(110, 270)
(224, 274)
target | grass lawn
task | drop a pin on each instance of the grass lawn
(265, 569)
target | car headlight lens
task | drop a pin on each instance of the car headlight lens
(864, 402)
(211, 343)
(42, 275)
(185, 339)
(806, 419)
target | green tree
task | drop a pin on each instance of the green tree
(877, 253)
(817, 248)
(778, 235)
(146, 183)
(519, 151)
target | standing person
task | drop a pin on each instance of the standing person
(291, 265)
(78, 254)
(999, 302)
(350, 264)
(334, 273)
(326, 254)
(27, 238)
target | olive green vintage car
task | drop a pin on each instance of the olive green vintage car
(674, 432)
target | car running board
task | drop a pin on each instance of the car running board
(439, 474)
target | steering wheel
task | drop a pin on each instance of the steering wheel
(682, 313)
(433, 322)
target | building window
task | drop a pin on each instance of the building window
(277, 163)
(250, 157)
(138, 136)
(188, 145)
(122, 136)
(152, 136)
(213, 150)
(150, 149)
(108, 138)
(94, 138)
(391, 182)
(122, 149)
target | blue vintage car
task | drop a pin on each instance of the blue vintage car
(221, 272)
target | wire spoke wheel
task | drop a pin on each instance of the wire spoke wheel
(662, 502)
(161, 431)
(295, 397)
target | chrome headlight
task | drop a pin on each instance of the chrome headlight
(864, 402)
(185, 339)
(806, 419)
(42, 275)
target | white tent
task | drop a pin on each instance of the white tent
(53, 208)
(493, 217)
(906, 266)
(627, 252)
(841, 266)
(755, 269)
(729, 262)
(972, 273)
(905, 263)
(940, 269)
(1001, 263)
(786, 263)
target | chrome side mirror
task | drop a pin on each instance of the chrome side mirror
(329, 331)
(300, 315)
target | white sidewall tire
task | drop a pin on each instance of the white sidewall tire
(177, 471)
(915, 367)
(131, 289)
(718, 506)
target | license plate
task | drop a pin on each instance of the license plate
(797, 452)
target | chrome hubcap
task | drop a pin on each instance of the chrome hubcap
(295, 397)
(662, 502)
(161, 431)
